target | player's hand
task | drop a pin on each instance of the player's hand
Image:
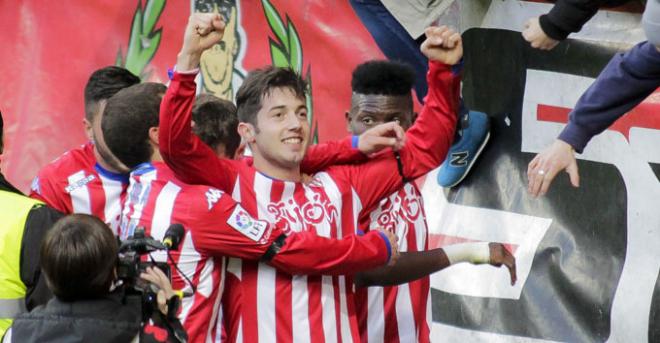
(533, 33)
(442, 44)
(545, 166)
(499, 256)
(377, 138)
(202, 32)
(394, 243)
(158, 278)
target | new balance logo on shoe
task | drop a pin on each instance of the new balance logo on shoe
(459, 159)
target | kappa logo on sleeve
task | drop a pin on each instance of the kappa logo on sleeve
(212, 196)
(244, 223)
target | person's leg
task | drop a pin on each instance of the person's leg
(393, 40)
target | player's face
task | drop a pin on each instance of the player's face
(217, 63)
(282, 132)
(361, 118)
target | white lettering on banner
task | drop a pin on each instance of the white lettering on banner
(632, 300)
(480, 224)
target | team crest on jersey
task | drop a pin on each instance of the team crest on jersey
(244, 223)
(212, 196)
(80, 183)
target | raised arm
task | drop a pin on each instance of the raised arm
(229, 230)
(430, 137)
(192, 161)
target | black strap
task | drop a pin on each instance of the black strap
(274, 248)
(399, 166)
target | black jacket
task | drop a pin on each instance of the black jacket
(568, 16)
(104, 320)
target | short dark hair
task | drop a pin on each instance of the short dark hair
(127, 118)
(216, 123)
(383, 78)
(78, 256)
(259, 83)
(103, 84)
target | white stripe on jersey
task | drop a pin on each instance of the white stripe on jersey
(163, 210)
(346, 335)
(80, 198)
(376, 315)
(187, 269)
(140, 203)
(404, 315)
(300, 301)
(266, 284)
(217, 315)
(328, 305)
(112, 190)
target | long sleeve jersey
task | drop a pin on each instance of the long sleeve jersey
(76, 183)
(217, 227)
(625, 82)
(266, 304)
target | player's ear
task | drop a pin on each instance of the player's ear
(153, 135)
(247, 132)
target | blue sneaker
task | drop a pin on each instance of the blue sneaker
(472, 138)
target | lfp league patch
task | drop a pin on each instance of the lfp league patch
(243, 222)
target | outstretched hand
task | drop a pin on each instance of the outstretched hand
(202, 32)
(442, 44)
(377, 138)
(499, 256)
(548, 163)
(534, 34)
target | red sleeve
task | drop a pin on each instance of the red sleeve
(192, 161)
(44, 188)
(227, 229)
(349, 255)
(427, 141)
(324, 155)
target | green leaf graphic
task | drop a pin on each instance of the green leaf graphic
(144, 39)
(286, 51)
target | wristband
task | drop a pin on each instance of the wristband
(476, 253)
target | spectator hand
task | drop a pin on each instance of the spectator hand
(533, 33)
(499, 256)
(393, 243)
(388, 135)
(442, 44)
(165, 292)
(545, 166)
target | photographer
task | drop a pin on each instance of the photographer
(78, 260)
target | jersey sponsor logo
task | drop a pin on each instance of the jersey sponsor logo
(404, 206)
(244, 223)
(80, 183)
(212, 197)
(36, 185)
(293, 217)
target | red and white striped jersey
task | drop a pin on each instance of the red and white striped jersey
(270, 306)
(215, 226)
(76, 183)
(397, 313)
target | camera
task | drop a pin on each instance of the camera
(130, 264)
